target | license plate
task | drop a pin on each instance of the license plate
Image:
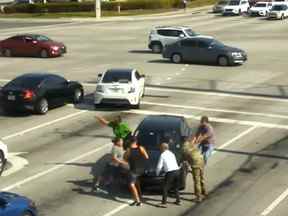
(11, 97)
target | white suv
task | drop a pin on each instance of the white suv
(3, 156)
(163, 35)
(120, 87)
(260, 9)
(278, 11)
(236, 7)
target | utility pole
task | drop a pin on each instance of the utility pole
(98, 9)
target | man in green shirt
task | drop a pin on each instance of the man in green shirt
(120, 129)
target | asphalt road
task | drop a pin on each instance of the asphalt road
(245, 176)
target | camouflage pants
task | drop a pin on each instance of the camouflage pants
(198, 178)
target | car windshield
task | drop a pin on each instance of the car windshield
(190, 32)
(222, 3)
(278, 7)
(234, 2)
(117, 76)
(42, 38)
(216, 43)
(260, 5)
(25, 82)
(152, 139)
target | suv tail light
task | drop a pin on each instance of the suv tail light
(28, 95)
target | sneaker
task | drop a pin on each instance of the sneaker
(162, 205)
(138, 204)
(133, 204)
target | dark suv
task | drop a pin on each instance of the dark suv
(154, 130)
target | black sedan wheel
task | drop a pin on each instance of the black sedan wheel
(78, 96)
(42, 106)
(2, 162)
(7, 52)
(223, 61)
(44, 53)
(176, 58)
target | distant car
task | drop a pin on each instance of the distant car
(3, 157)
(162, 36)
(120, 87)
(236, 7)
(278, 11)
(260, 9)
(204, 50)
(31, 45)
(39, 91)
(15, 205)
(219, 6)
(151, 132)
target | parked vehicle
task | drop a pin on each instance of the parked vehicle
(12, 204)
(219, 6)
(278, 11)
(39, 92)
(31, 45)
(3, 156)
(120, 87)
(260, 9)
(151, 132)
(236, 7)
(204, 50)
(164, 35)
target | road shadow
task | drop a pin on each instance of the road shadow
(141, 51)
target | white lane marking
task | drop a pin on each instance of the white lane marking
(169, 78)
(204, 93)
(275, 203)
(214, 119)
(54, 168)
(17, 163)
(121, 207)
(218, 110)
(244, 133)
(21, 133)
(116, 210)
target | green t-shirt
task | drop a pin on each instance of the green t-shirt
(120, 130)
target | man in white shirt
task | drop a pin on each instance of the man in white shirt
(168, 163)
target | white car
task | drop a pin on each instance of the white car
(278, 11)
(236, 7)
(219, 6)
(3, 156)
(260, 9)
(120, 87)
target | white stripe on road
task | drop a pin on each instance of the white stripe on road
(116, 210)
(275, 203)
(214, 119)
(218, 110)
(54, 168)
(21, 133)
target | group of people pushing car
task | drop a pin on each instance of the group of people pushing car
(196, 151)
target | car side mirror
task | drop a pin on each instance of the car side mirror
(98, 77)
(181, 36)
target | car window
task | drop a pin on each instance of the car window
(57, 79)
(234, 3)
(170, 33)
(244, 2)
(189, 43)
(116, 76)
(191, 33)
(42, 38)
(25, 82)
(137, 75)
(17, 38)
(28, 39)
(203, 44)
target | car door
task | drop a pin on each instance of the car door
(55, 90)
(170, 36)
(206, 53)
(16, 45)
(189, 50)
(30, 46)
(244, 6)
(6, 209)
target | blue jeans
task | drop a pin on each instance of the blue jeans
(206, 151)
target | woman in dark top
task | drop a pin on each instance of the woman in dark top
(133, 155)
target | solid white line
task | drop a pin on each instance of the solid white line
(213, 119)
(275, 203)
(43, 125)
(54, 168)
(116, 210)
(218, 110)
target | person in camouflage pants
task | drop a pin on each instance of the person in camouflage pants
(195, 159)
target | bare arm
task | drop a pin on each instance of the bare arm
(144, 153)
(102, 120)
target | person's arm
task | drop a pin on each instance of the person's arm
(102, 120)
(144, 153)
(159, 165)
(126, 155)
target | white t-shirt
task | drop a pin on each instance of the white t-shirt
(167, 162)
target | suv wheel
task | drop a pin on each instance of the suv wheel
(176, 58)
(223, 61)
(156, 48)
(2, 162)
(42, 106)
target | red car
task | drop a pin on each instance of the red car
(31, 45)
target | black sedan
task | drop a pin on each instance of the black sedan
(39, 91)
(204, 50)
(151, 132)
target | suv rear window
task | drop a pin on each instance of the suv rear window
(169, 33)
(117, 76)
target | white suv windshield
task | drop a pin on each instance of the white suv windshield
(116, 76)
(190, 32)
(260, 5)
(279, 7)
(233, 3)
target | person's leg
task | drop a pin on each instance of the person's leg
(197, 183)
(167, 185)
(207, 152)
(176, 185)
(134, 192)
(202, 182)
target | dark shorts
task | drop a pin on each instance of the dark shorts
(133, 178)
